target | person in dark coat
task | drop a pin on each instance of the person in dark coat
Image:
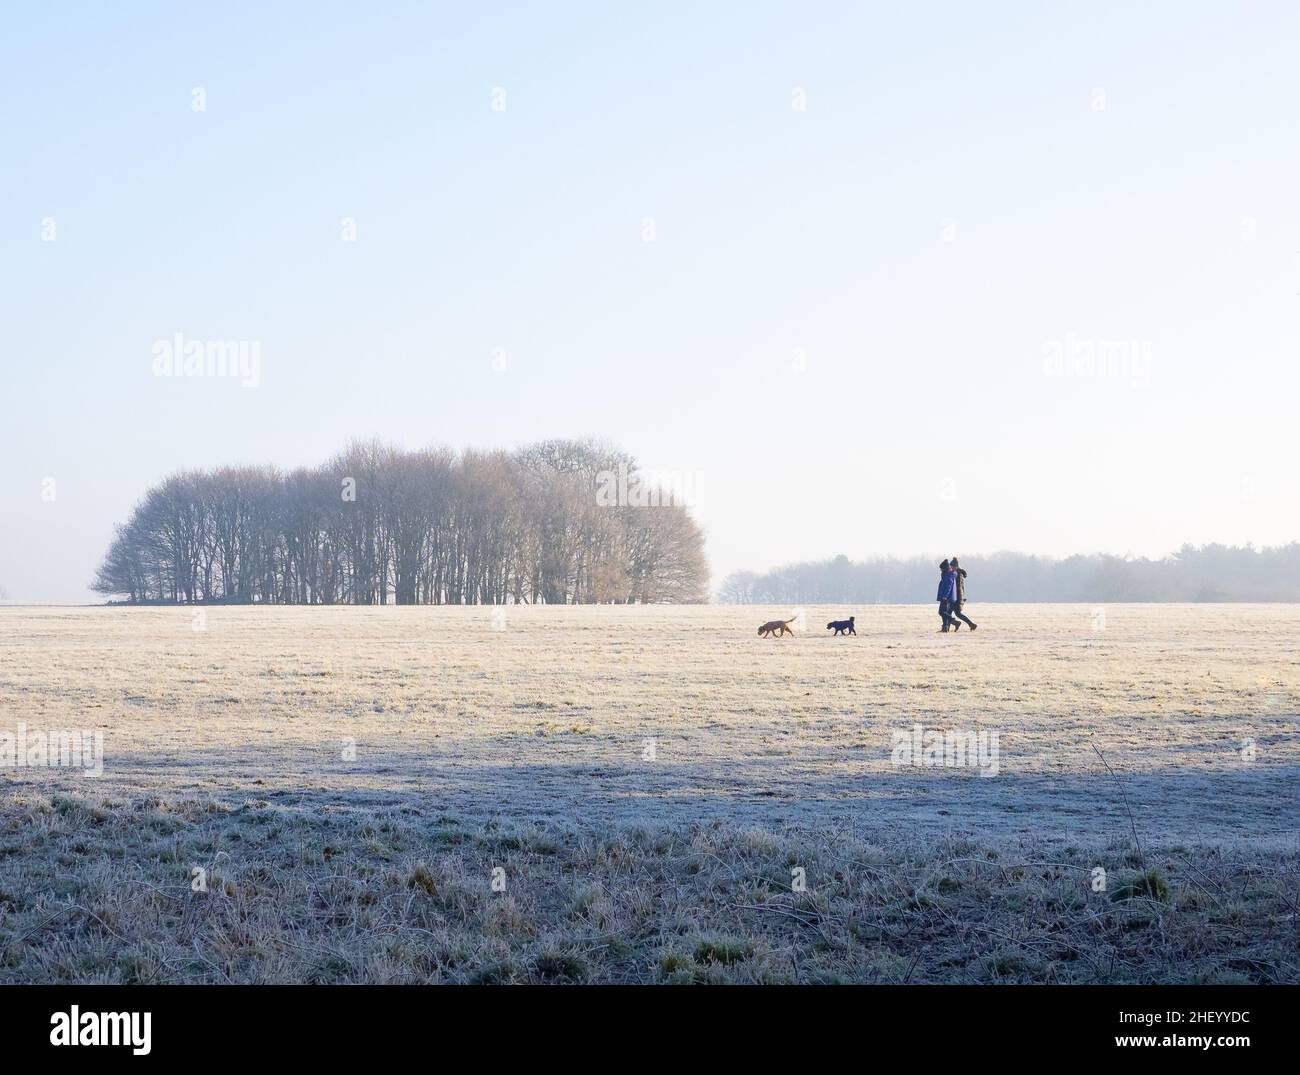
(959, 598)
(947, 594)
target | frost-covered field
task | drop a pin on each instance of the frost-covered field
(237, 739)
(680, 714)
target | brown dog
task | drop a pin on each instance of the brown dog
(776, 628)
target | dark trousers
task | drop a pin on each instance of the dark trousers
(955, 614)
(945, 614)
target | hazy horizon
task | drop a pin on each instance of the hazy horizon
(874, 281)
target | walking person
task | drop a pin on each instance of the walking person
(959, 597)
(947, 594)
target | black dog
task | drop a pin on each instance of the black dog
(842, 626)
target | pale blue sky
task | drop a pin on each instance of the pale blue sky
(1169, 216)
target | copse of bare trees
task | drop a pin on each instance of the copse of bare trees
(377, 524)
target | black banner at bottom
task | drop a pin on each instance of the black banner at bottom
(335, 1023)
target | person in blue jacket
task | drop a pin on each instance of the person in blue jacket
(947, 593)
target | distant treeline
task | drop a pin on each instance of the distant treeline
(1207, 573)
(378, 524)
